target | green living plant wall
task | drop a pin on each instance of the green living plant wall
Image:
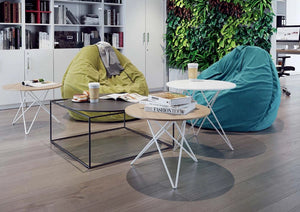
(203, 31)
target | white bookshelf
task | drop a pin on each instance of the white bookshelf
(50, 60)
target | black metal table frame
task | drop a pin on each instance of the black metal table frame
(88, 165)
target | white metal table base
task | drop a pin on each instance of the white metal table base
(21, 111)
(210, 105)
(155, 136)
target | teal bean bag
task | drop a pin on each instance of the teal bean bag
(253, 104)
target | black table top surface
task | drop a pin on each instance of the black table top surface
(101, 106)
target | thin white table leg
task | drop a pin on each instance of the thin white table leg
(182, 132)
(161, 155)
(22, 100)
(155, 137)
(158, 134)
(210, 105)
(177, 142)
(37, 100)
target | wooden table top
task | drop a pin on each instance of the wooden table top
(20, 87)
(137, 111)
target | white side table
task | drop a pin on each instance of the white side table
(24, 90)
(205, 85)
(137, 111)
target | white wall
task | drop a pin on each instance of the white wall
(292, 12)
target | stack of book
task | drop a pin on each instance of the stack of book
(167, 102)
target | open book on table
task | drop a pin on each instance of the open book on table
(128, 97)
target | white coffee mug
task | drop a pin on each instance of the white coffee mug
(94, 91)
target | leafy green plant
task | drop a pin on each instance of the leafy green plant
(203, 31)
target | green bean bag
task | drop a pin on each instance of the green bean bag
(253, 104)
(87, 67)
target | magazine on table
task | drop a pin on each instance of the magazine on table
(37, 83)
(170, 99)
(128, 97)
(177, 109)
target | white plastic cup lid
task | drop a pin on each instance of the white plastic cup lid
(94, 85)
(192, 65)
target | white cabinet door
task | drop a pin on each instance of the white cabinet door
(155, 62)
(144, 39)
(11, 71)
(62, 59)
(39, 64)
(135, 33)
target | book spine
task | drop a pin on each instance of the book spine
(7, 12)
(121, 39)
(159, 100)
(163, 110)
(108, 17)
(14, 11)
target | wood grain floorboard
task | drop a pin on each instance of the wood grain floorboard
(265, 169)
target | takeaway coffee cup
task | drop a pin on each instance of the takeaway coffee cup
(192, 71)
(94, 91)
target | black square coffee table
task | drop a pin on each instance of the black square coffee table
(111, 107)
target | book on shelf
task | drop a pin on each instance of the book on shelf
(10, 38)
(72, 18)
(177, 110)
(44, 40)
(128, 97)
(5, 12)
(115, 39)
(111, 17)
(170, 99)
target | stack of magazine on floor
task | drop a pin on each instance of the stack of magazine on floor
(167, 102)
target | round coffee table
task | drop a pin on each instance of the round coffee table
(202, 86)
(24, 90)
(137, 110)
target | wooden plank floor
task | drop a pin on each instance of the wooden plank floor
(262, 174)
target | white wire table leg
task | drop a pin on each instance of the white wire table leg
(180, 153)
(22, 100)
(191, 154)
(182, 133)
(210, 105)
(40, 103)
(158, 134)
(160, 153)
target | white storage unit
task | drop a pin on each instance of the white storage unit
(11, 71)
(144, 45)
(39, 39)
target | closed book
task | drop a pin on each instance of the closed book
(171, 110)
(170, 98)
(108, 17)
(121, 39)
(72, 18)
(147, 102)
(14, 12)
(5, 12)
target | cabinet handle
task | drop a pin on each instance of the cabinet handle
(144, 37)
(148, 37)
(28, 62)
